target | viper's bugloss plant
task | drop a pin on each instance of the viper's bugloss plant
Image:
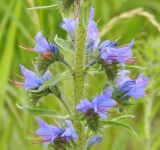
(88, 117)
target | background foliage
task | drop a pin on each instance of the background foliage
(18, 25)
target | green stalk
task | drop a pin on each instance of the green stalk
(79, 67)
(79, 78)
(147, 123)
(79, 61)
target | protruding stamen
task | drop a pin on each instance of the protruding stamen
(17, 83)
(28, 49)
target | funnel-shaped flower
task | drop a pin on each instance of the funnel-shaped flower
(70, 26)
(42, 45)
(134, 88)
(92, 32)
(109, 52)
(52, 134)
(98, 106)
(32, 81)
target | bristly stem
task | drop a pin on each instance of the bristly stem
(79, 67)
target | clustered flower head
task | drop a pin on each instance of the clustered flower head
(91, 113)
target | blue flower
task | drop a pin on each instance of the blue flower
(95, 140)
(32, 81)
(98, 106)
(69, 133)
(42, 45)
(109, 52)
(70, 26)
(52, 134)
(107, 43)
(92, 33)
(133, 88)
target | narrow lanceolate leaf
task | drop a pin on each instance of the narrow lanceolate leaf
(42, 7)
(64, 44)
(7, 55)
(118, 124)
(136, 67)
(123, 117)
(54, 80)
(41, 112)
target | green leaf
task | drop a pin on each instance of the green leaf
(64, 44)
(41, 112)
(94, 72)
(118, 124)
(42, 7)
(122, 117)
(136, 67)
(54, 80)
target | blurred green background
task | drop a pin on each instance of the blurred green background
(18, 26)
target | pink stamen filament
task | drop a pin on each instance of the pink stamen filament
(17, 83)
(42, 141)
(28, 49)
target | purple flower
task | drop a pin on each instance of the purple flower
(92, 33)
(47, 132)
(110, 53)
(134, 88)
(52, 134)
(95, 140)
(32, 81)
(107, 43)
(69, 133)
(42, 45)
(70, 26)
(98, 106)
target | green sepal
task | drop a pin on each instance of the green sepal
(35, 95)
(42, 64)
(111, 69)
(65, 4)
(55, 90)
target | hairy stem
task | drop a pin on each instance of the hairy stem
(148, 121)
(79, 67)
(79, 78)
(79, 62)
